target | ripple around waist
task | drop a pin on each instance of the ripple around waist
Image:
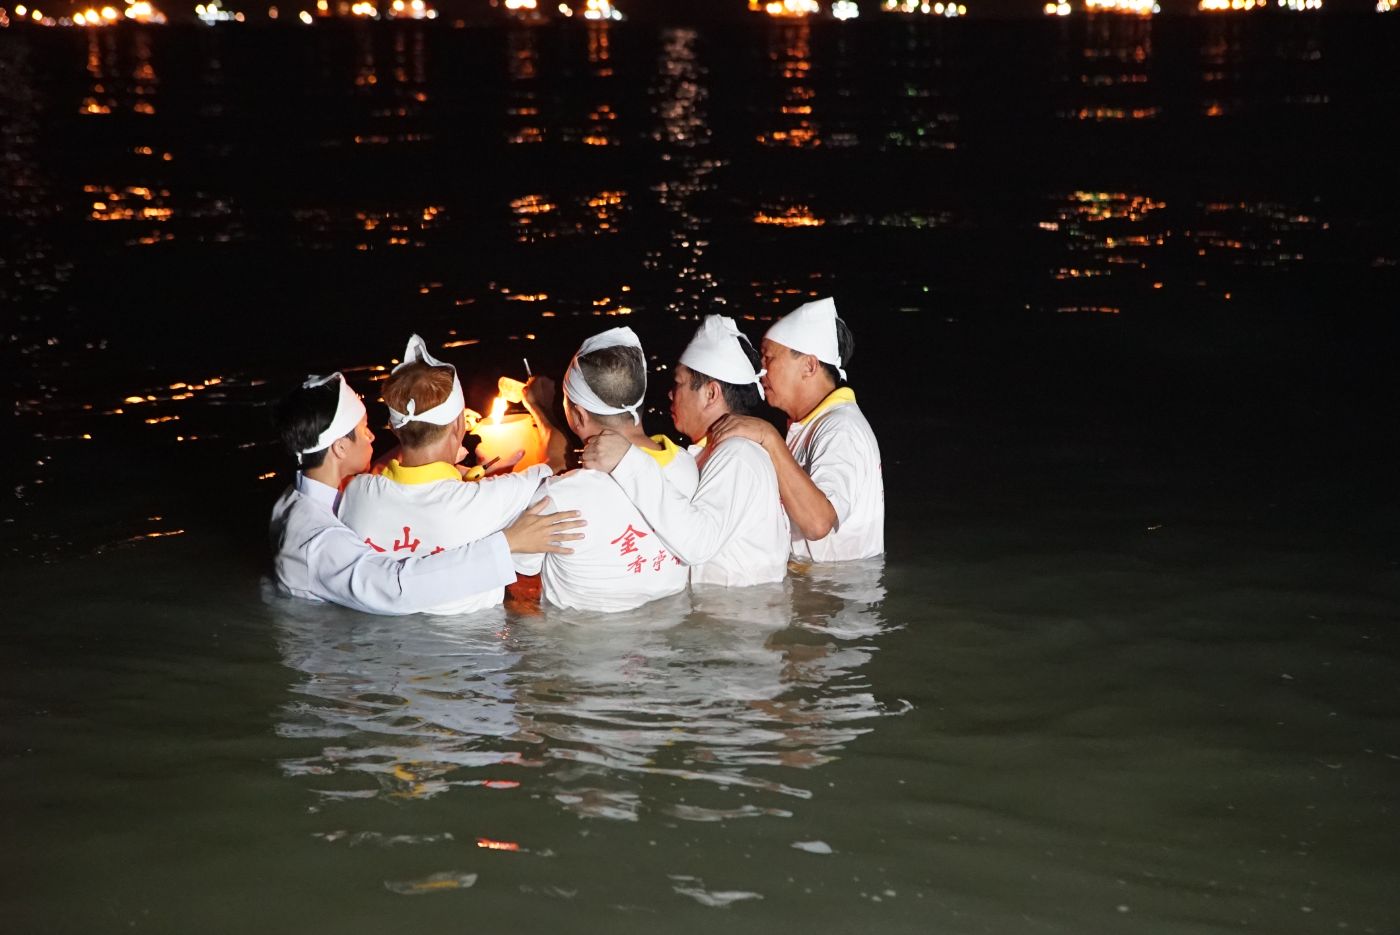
(578, 592)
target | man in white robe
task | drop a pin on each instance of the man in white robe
(829, 469)
(620, 563)
(318, 558)
(732, 531)
(419, 502)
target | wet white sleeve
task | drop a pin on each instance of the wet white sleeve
(345, 570)
(498, 501)
(693, 528)
(531, 563)
(835, 466)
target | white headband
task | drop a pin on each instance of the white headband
(810, 329)
(716, 352)
(349, 410)
(441, 414)
(577, 388)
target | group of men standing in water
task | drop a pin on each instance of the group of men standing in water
(641, 518)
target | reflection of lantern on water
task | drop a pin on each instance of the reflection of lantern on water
(503, 435)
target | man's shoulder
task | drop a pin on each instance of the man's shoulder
(381, 484)
(843, 418)
(362, 482)
(286, 499)
(842, 410)
(578, 481)
(740, 451)
(366, 489)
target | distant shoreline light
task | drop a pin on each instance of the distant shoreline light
(213, 12)
(137, 11)
(1131, 7)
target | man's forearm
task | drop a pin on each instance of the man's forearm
(807, 507)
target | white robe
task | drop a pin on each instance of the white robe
(423, 517)
(733, 530)
(319, 558)
(620, 563)
(837, 449)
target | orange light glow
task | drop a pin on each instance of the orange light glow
(497, 845)
(794, 216)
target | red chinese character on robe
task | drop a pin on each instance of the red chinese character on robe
(660, 559)
(378, 548)
(401, 544)
(636, 564)
(628, 539)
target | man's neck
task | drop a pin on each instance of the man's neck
(635, 435)
(808, 398)
(429, 454)
(329, 473)
(715, 416)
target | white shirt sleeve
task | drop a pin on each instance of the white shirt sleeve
(346, 571)
(496, 502)
(693, 528)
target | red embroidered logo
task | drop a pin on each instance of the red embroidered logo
(628, 539)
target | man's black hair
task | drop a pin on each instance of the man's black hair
(301, 417)
(618, 375)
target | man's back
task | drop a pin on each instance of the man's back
(427, 515)
(620, 562)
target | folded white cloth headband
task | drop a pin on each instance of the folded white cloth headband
(810, 329)
(349, 410)
(577, 388)
(441, 414)
(715, 351)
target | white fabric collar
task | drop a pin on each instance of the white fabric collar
(810, 329)
(317, 492)
(444, 412)
(715, 352)
(349, 410)
(577, 388)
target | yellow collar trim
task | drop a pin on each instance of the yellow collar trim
(843, 394)
(423, 474)
(668, 451)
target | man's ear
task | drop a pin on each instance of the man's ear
(712, 393)
(810, 365)
(574, 418)
(340, 448)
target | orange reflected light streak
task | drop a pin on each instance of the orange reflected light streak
(795, 216)
(491, 845)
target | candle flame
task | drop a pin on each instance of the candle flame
(498, 409)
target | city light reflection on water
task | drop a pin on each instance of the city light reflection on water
(685, 212)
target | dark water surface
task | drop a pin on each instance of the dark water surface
(1124, 294)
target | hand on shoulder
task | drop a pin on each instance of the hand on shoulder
(750, 427)
(603, 451)
(537, 531)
